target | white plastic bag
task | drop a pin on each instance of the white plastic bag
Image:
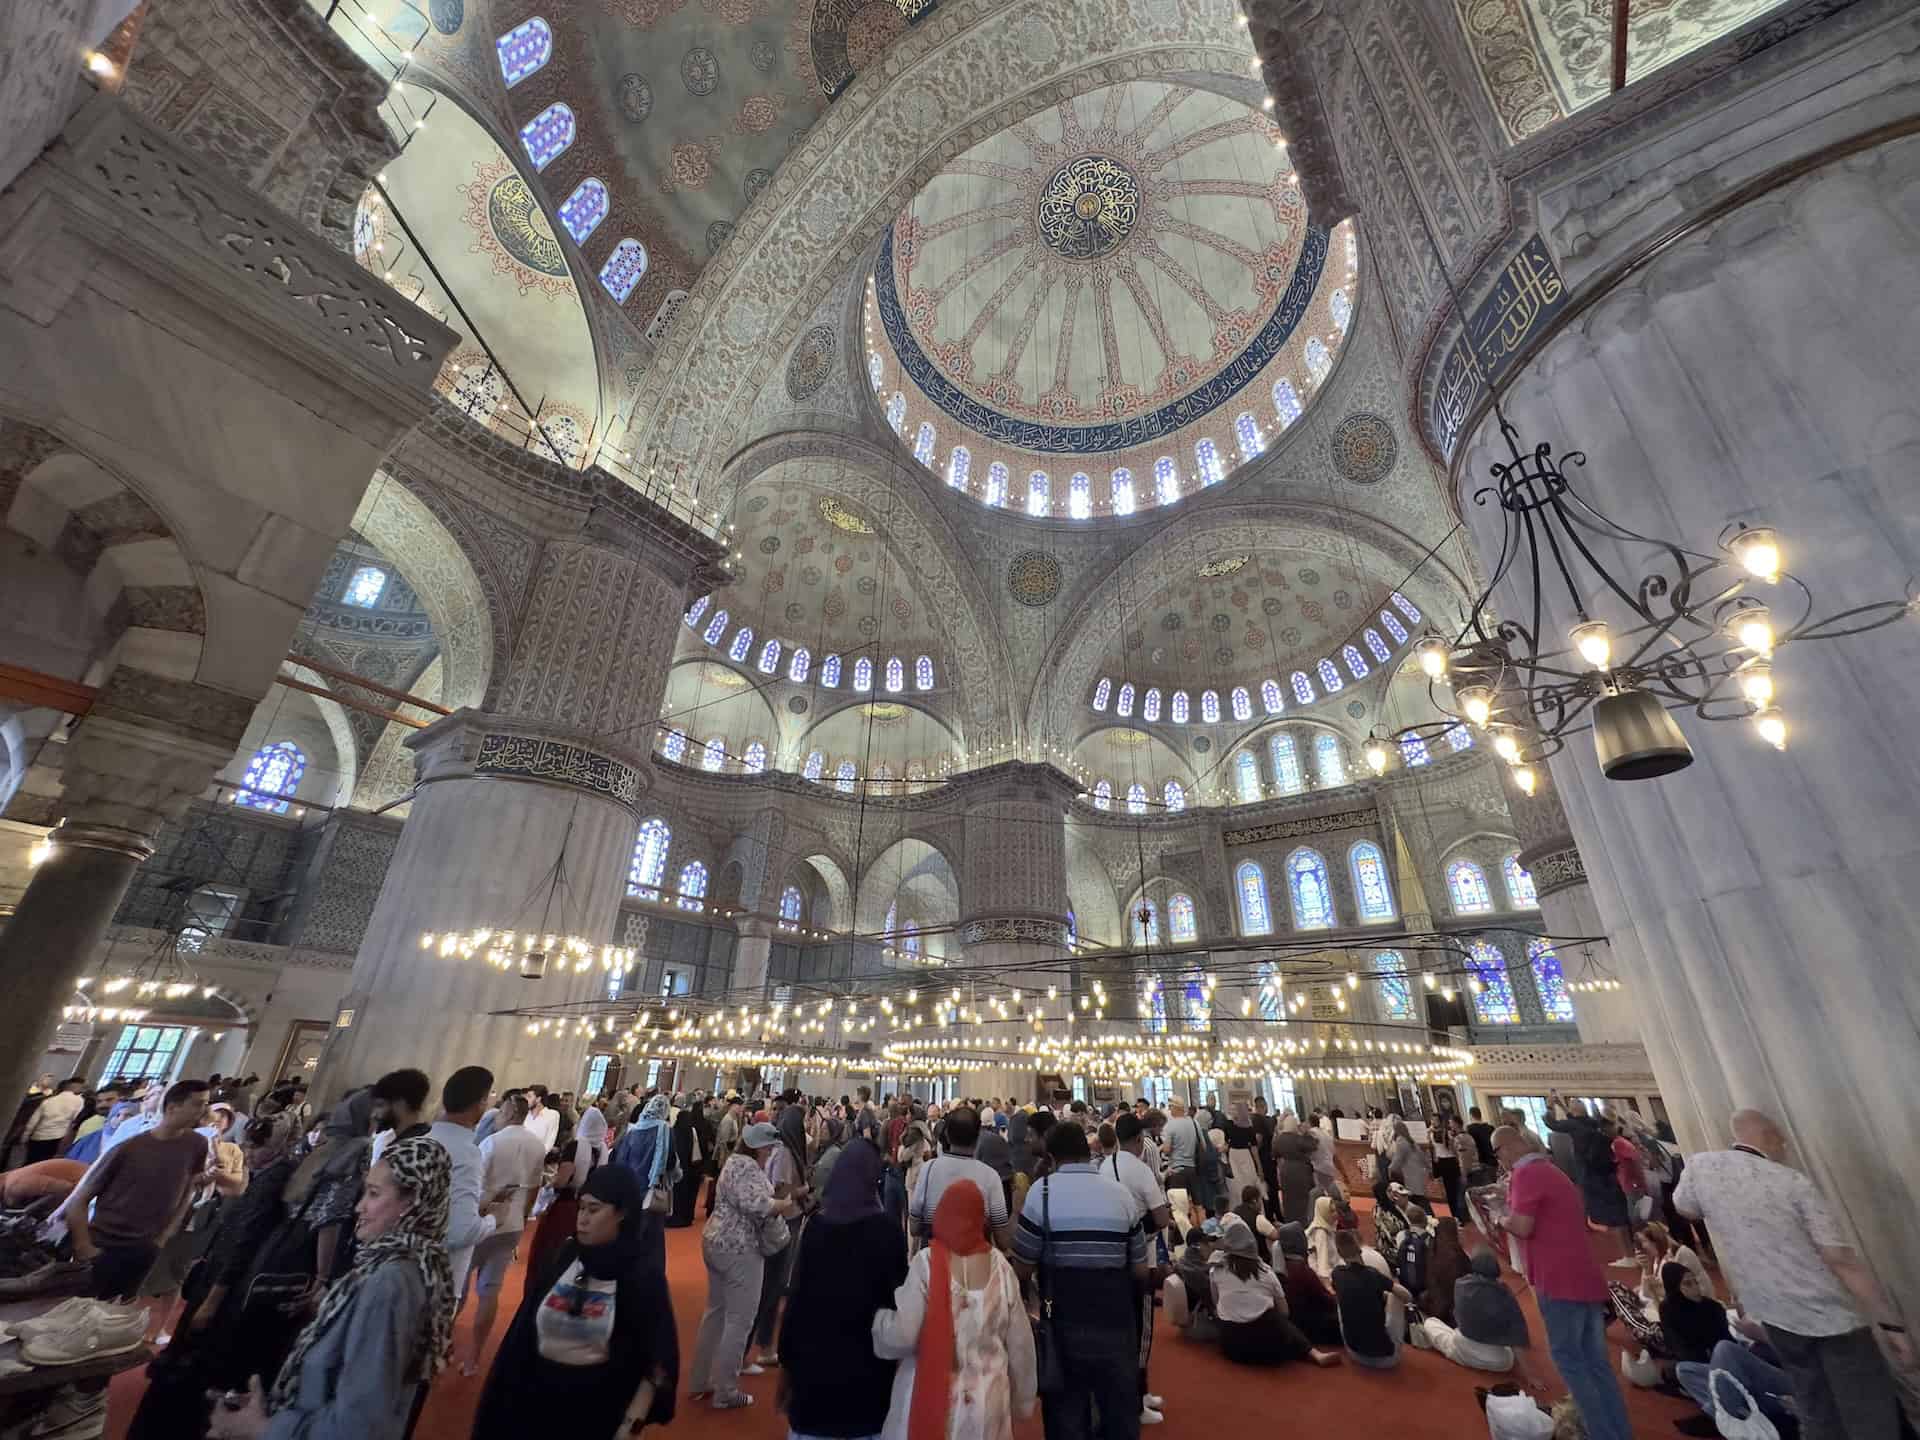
(1751, 1426)
(1517, 1417)
(1641, 1369)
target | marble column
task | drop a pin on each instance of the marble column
(1761, 905)
(752, 955)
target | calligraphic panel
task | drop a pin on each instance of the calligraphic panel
(1526, 298)
(1296, 829)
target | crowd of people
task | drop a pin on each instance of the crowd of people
(997, 1255)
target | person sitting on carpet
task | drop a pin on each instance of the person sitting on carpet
(1489, 1323)
(1372, 1306)
(1310, 1304)
(1251, 1306)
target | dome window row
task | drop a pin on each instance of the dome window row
(1272, 701)
(893, 672)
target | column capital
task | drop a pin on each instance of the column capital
(476, 744)
(122, 780)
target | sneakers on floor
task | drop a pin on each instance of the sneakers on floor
(1151, 1417)
(107, 1332)
(732, 1400)
(753, 1369)
(1153, 1402)
(68, 1412)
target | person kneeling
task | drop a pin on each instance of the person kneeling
(1251, 1306)
(1490, 1322)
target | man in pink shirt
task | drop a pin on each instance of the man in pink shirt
(1547, 1216)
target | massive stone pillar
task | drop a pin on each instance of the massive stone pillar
(1760, 904)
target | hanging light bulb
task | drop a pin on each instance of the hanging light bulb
(1523, 776)
(1752, 626)
(1431, 652)
(1376, 754)
(1758, 550)
(1756, 682)
(1771, 722)
(1477, 701)
(1594, 642)
(40, 852)
(1507, 746)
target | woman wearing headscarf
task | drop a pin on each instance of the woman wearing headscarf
(1446, 1263)
(686, 1154)
(852, 1258)
(730, 1245)
(326, 1188)
(594, 1339)
(787, 1173)
(1310, 1304)
(1320, 1243)
(1488, 1324)
(383, 1331)
(833, 1138)
(1692, 1322)
(961, 1334)
(1293, 1150)
(1243, 1155)
(579, 1158)
(1407, 1163)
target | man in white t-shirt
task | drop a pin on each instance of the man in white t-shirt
(542, 1119)
(952, 1166)
(512, 1158)
(53, 1118)
(1151, 1214)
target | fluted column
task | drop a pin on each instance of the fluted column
(1761, 905)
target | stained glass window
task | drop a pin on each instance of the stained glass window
(1394, 627)
(1342, 309)
(1302, 688)
(1250, 883)
(769, 657)
(523, 50)
(897, 412)
(693, 886)
(923, 443)
(959, 465)
(1206, 459)
(1136, 799)
(1370, 885)
(843, 777)
(830, 672)
(1150, 706)
(1286, 403)
(1467, 884)
(1520, 892)
(1195, 1007)
(696, 610)
(1459, 737)
(1377, 645)
(1271, 699)
(1246, 776)
(1156, 1004)
(1247, 431)
(923, 673)
(1209, 707)
(1493, 1002)
(1413, 750)
(790, 908)
(754, 762)
(1146, 928)
(1329, 761)
(1356, 667)
(1123, 707)
(1179, 707)
(1101, 692)
(1312, 897)
(675, 748)
(623, 269)
(1123, 492)
(798, 666)
(896, 675)
(1241, 702)
(1286, 764)
(1549, 981)
(1272, 1000)
(1396, 994)
(742, 643)
(816, 762)
(996, 484)
(1103, 795)
(713, 754)
(1330, 680)
(1175, 796)
(582, 211)
(1319, 362)
(716, 627)
(1080, 495)
(1180, 922)
(1039, 493)
(547, 135)
(1166, 481)
(272, 777)
(910, 938)
(366, 586)
(863, 674)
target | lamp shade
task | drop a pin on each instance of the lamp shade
(1636, 739)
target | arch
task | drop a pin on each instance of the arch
(1372, 890)
(833, 910)
(1310, 890)
(1250, 891)
(915, 878)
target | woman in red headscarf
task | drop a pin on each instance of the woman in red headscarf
(960, 1332)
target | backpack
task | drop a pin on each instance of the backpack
(1411, 1263)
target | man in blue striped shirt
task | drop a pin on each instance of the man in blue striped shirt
(1078, 1235)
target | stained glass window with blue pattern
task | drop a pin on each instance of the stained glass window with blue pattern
(693, 886)
(1520, 892)
(816, 763)
(1166, 480)
(366, 586)
(675, 746)
(1101, 692)
(1270, 698)
(1174, 796)
(1377, 645)
(830, 672)
(1241, 702)
(754, 762)
(523, 50)
(923, 441)
(1123, 492)
(1150, 706)
(1302, 688)
(1080, 495)
(959, 466)
(770, 657)
(271, 777)
(1246, 776)
(1459, 737)
(1396, 994)
(1206, 459)
(1312, 896)
(623, 269)
(1179, 707)
(1467, 885)
(923, 673)
(1136, 799)
(1407, 607)
(582, 211)
(1123, 707)
(1330, 680)
(896, 675)
(996, 484)
(1319, 360)
(1356, 667)
(548, 134)
(1413, 750)
(843, 777)
(1286, 764)
(1394, 627)
(1250, 883)
(1103, 795)
(1370, 885)
(649, 865)
(798, 666)
(742, 643)
(863, 674)
(1180, 921)
(1493, 1002)
(1286, 403)
(1247, 431)
(1329, 761)
(1039, 493)
(1549, 981)
(1209, 707)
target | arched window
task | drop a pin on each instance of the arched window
(1413, 750)
(1396, 995)
(1246, 777)
(1101, 692)
(1467, 884)
(1312, 896)
(1459, 737)
(1271, 700)
(1406, 607)
(882, 781)
(816, 762)
(897, 412)
(1329, 761)
(649, 865)
(923, 673)
(1039, 493)
(1356, 667)
(1179, 707)
(1330, 680)
(623, 269)
(1166, 481)
(1123, 707)
(1302, 688)
(790, 908)
(1123, 492)
(365, 588)
(996, 484)
(1209, 708)
(863, 674)
(582, 211)
(693, 886)
(1394, 627)
(1180, 922)
(923, 444)
(1493, 1002)
(1103, 795)
(1136, 799)
(1247, 431)
(1549, 981)
(1206, 459)
(910, 938)
(272, 777)
(1156, 1005)
(876, 370)
(1520, 892)
(843, 777)
(754, 762)
(742, 643)
(896, 675)
(916, 777)
(959, 466)
(1250, 884)
(1286, 403)
(1370, 885)
(1195, 1008)
(716, 627)
(1319, 361)
(1377, 645)
(523, 50)
(713, 754)
(1342, 309)
(830, 672)
(1146, 926)
(1150, 706)
(1271, 999)
(798, 666)
(696, 610)
(1080, 496)
(1242, 703)
(1175, 796)
(547, 135)
(769, 657)
(675, 748)
(1287, 778)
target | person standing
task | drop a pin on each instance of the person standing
(955, 1165)
(462, 1101)
(1152, 1214)
(1794, 1272)
(1293, 1152)
(1447, 1140)
(132, 1200)
(743, 1201)
(542, 1119)
(1484, 1167)
(1546, 1216)
(726, 1135)
(511, 1159)
(53, 1117)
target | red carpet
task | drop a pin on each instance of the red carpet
(1426, 1398)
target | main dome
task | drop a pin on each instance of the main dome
(1129, 280)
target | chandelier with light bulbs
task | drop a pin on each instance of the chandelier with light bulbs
(1694, 631)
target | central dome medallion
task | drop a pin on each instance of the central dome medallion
(1088, 208)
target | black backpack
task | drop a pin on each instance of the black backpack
(1412, 1263)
